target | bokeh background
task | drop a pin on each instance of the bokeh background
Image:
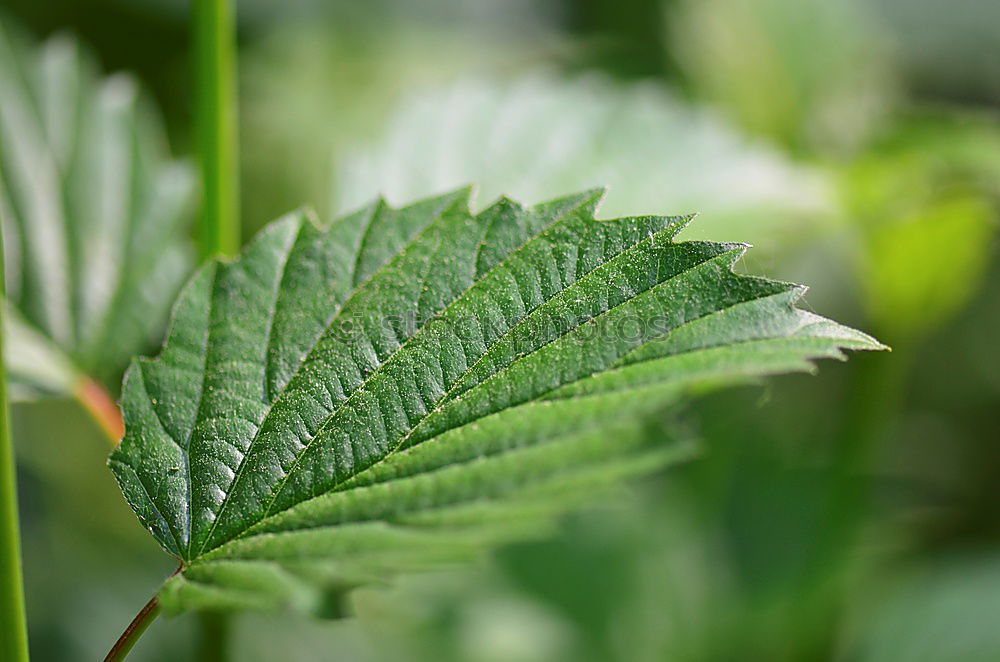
(853, 515)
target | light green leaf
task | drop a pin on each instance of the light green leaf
(93, 214)
(933, 182)
(540, 135)
(410, 385)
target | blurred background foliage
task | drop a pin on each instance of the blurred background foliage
(850, 517)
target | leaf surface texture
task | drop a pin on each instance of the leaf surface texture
(410, 385)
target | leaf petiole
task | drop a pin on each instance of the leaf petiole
(101, 407)
(134, 630)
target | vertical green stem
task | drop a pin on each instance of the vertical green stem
(13, 622)
(214, 637)
(877, 392)
(217, 131)
(216, 125)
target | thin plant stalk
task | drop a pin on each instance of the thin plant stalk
(102, 409)
(142, 620)
(134, 630)
(13, 622)
(217, 129)
(216, 125)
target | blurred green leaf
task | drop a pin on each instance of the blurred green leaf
(924, 267)
(93, 214)
(410, 385)
(296, 78)
(925, 199)
(541, 134)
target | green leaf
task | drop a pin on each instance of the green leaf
(540, 135)
(413, 384)
(934, 181)
(94, 217)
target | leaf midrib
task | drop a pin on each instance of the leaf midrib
(341, 406)
(186, 454)
(333, 318)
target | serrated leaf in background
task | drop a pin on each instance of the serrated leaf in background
(94, 218)
(542, 134)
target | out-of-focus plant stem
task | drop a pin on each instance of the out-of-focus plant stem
(217, 129)
(874, 401)
(216, 125)
(214, 637)
(13, 622)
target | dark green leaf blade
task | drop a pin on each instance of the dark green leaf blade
(411, 385)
